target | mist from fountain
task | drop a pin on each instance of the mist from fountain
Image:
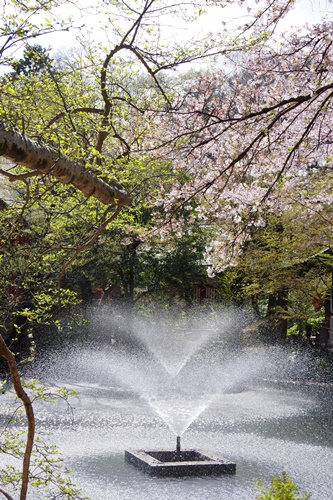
(179, 413)
(178, 372)
(173, 397)
(173, 348)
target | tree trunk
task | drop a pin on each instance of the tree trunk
(44, 160)
(22, 395)
(276, 304)
(131, 248)
(282, 323)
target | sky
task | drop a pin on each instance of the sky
(306, 11)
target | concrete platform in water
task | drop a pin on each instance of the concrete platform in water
(180, 463)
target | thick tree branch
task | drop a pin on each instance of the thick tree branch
(35, 156)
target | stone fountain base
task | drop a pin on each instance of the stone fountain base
(180, 463)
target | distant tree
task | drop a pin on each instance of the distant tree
(283, 267)
(35, 59)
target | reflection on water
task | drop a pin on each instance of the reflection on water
(265, 431)
(262, 431)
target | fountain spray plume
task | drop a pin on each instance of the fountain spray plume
(174, 339)
(177, 363)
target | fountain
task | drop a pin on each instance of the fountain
(224, 398)
(179, 402)
(180, 463)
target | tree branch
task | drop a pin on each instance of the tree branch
(18, 177)
(86, 109)
(88, 243)
(38, 157)
(6, 495)
(22, 395)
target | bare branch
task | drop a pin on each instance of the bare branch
(18, 177)
(72, 111)
(7, 495)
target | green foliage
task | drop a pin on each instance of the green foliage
(46, 304)
(281, 488)
(39, 391)
(287, 256)
(298, 328)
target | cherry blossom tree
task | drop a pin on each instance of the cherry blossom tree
(255, 136)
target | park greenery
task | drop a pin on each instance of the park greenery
(281, 487)
(146, 165)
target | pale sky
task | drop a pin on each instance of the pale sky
(306, 11)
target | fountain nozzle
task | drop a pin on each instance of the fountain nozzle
(178, 444)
